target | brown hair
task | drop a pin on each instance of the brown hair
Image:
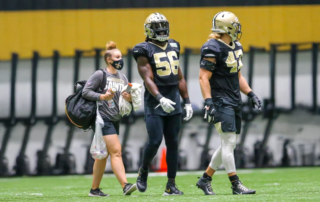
(110, 46)
(214, 36)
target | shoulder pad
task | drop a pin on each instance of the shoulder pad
(140, 50)
(238, 43)
(175, 45)
(210, 49)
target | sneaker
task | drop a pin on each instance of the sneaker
(97, 192)
(129, 188)
(142, 180)
(172, 190)
(205, 185)
(239, 188)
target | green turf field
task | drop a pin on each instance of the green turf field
(295, 184)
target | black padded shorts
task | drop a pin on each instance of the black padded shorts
(229, 118)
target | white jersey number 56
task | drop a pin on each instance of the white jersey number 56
(164, 68)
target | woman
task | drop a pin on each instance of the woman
(109, 110)
(221, 82)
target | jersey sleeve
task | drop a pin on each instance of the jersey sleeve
(175, 46)
(208, 51)
(140, 50)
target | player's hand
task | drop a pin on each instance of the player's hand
(189, 112)
(107, 96)
(166, 104)
(210, 111)
(127, 96)
(256, 102)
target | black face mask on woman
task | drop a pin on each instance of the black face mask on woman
(118, 64)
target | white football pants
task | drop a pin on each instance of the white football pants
(224, 154)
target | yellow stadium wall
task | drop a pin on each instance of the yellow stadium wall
(67, 30)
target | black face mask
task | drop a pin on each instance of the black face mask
(118, 64)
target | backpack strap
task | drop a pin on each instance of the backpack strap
(104, 80)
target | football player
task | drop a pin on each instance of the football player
(158, 65)
(221, 82)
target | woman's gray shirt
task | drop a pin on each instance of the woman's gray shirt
(109, 110)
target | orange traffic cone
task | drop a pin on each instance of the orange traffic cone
(163, 162)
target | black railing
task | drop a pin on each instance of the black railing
(62, 166)
(315, 51)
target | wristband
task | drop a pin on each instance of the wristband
(158, 97)
(208, 101)
(186, 100)
(251, 94)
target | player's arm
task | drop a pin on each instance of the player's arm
(146, 74)
(204, 77)
(245, 89)
(183, 90)
(207, 65)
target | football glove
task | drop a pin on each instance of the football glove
(255, 101)
(189, 112)
(166, 104)
(210, 111)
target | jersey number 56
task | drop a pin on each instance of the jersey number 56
(164, 68)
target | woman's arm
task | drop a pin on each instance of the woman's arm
(92, 85)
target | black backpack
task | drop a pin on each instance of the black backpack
(80, 111)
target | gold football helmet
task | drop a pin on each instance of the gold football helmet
(227, 22)
(156, 27)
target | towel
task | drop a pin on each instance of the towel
(125, 107)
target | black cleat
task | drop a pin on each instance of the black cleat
(97, 192)
(205, 185)
(129, 188)
(172, 190)
(239, 188)
(142, 180)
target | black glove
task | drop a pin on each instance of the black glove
(210, 111)
(256, 103)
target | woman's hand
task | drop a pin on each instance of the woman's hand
(127, 96)
(107, 96)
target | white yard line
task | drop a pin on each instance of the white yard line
(182, 173)
(163, 174)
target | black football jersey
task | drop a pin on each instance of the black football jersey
(164, 62)
(224, 81)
